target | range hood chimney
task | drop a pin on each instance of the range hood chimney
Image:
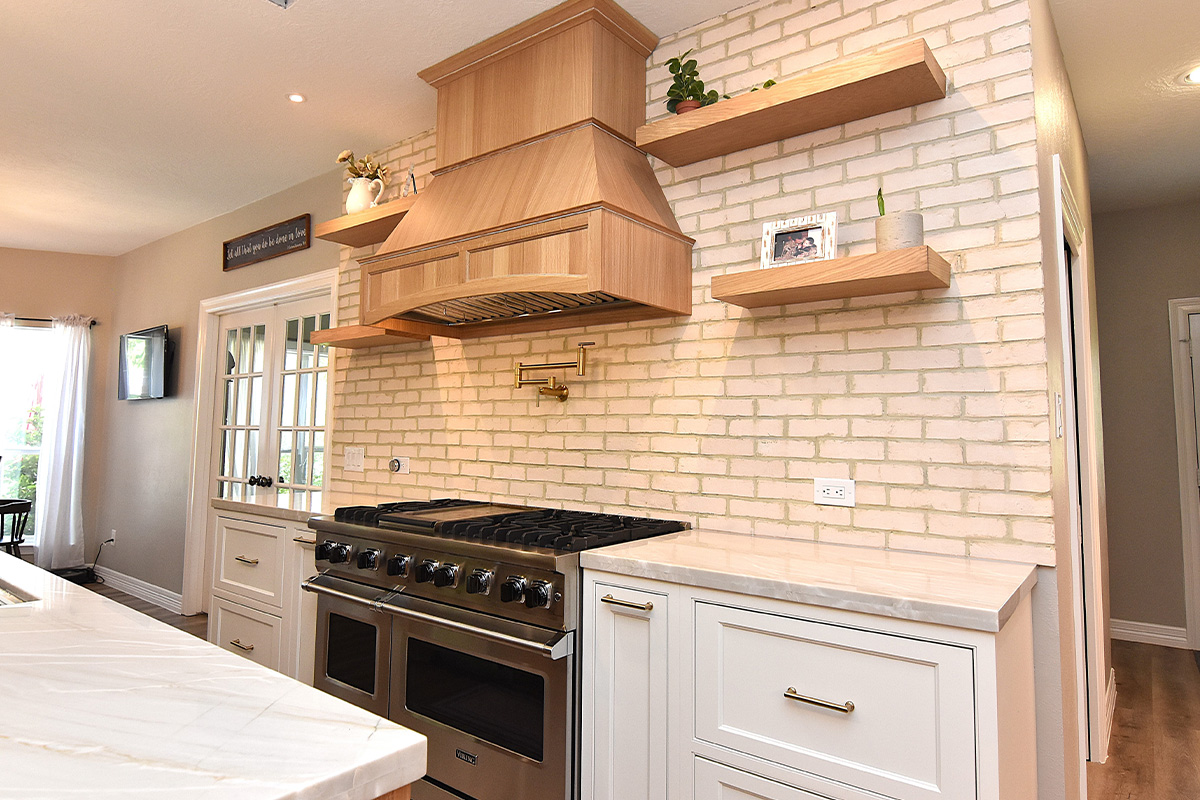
(542, 214)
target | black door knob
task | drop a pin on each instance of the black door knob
(537, 595)
(425, 570)
(512, 589)
(445, 575)
(397, 566)
(265, 480)
(253, 480)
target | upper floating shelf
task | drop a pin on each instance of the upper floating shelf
(851, 89)
(366, 227)
(855, 276)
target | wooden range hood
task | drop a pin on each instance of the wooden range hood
(542, 213)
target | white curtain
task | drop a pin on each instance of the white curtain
(60, 465)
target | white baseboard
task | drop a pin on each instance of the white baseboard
(1149, 633)
(171, 601)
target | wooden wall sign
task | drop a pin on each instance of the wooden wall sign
(276, 240)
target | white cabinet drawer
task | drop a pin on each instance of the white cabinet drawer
(249, 560)
(245, 631)
(715, 781)
(910, 735)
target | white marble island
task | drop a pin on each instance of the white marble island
(103, 702)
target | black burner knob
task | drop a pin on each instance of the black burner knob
(537, 595)
(368, 559)
(425, 570)
(397, 566)
(338, 553)
(512, 589)
(445, 575)
(323, 550)
(479, 581)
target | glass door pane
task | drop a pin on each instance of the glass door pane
(240, 416)
(301, 414)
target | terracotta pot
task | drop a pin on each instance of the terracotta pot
(899, 230)
(685, 106)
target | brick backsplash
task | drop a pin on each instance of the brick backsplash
(935, 402)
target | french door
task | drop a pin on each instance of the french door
(272, 400)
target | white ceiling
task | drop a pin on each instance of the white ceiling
(1139, 124)
(124, 121)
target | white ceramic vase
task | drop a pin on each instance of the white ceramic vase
(899, 230)
(361, 195)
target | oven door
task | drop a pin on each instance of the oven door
(495, 699)
(353, 644)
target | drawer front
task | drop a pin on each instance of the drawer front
(245, 631)
(879, 711)
(250, 560)
(715, 781)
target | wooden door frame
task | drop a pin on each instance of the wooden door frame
(195, 562)
(1085, 470)
(1185, 439)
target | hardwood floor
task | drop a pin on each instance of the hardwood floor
(196, 625)
(1155, 749)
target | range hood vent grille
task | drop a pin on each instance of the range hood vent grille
(509, 305)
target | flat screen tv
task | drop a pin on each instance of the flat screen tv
(144, 360)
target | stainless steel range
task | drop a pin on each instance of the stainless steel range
(459, 619)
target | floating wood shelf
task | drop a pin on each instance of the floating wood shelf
(355, 337)
(856, 276)
(366, 227)
(855, 88)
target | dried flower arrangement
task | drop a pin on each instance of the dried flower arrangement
(362, 168)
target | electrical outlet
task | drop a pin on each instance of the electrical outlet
(833, 492)
(113, 537)
(399, 465)
(354, 458)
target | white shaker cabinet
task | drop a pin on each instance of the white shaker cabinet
(719, 695)
(258, 609)
(625, 695)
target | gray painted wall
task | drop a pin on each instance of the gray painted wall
(1143, 259)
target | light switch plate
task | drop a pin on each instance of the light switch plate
(833, 492)
(354, 458)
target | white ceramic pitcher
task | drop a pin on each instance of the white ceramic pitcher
(360, 198)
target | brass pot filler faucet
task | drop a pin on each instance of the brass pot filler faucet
(549, 387)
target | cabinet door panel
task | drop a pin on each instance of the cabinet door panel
(625, 739)
(718, 782)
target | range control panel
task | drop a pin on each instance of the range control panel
(505, 590)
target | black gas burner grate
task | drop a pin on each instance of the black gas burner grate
(558, 529)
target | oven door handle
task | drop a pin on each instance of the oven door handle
(560, 646)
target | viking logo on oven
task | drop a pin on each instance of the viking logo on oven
(463, 755)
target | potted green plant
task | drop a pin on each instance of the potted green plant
(898, 230)
(687, 90)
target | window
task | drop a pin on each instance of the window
(274, 386)
(23, 358)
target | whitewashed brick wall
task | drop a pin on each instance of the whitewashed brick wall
(934, 402)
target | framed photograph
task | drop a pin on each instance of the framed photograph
(799, 239)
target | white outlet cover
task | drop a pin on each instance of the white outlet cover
(833, 492)
(354, 458)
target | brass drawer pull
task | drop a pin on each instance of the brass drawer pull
(251, 561)
(238, 644)
(608, 598)
(302, 540)
(844, 708)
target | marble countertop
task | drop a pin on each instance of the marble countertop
(962, 592)
(100, 701)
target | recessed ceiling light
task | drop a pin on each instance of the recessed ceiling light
(296, 98)
(1192, 77)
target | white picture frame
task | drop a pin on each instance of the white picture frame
(799, 239)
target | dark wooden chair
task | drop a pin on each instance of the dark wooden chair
(14, 516)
